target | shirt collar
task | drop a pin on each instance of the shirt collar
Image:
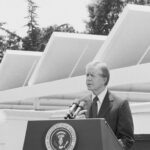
(101, 95)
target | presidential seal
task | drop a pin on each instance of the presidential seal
(60, 136)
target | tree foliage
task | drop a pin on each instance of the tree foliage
(103, 14)
(47, 32)
(37, 38)
(31, 41)
(10, 41)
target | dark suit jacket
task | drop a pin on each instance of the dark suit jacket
(117, 113)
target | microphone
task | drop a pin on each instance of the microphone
(70, 113)
(76, 107)
(80, 107)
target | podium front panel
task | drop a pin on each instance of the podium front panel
(88, 134)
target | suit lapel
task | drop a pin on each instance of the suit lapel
(106, 105)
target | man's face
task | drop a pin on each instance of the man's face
(94, 80)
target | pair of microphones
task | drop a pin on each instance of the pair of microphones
(74, 109)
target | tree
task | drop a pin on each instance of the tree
(11, 33)
(10, 41)
(13, 42)
(31, 41)
(2, 47)
(64, 28)
(47, 32)
(37, 38)
(103, 14)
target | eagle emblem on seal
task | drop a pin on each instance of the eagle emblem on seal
(60, 136)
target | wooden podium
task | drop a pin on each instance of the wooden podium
(91, 134)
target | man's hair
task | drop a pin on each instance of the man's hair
(102, 67)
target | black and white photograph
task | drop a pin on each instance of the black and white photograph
(74, 74)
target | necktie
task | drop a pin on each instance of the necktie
(94, 107)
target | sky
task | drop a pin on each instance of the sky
(50, 12)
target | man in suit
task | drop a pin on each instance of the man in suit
(101, 103)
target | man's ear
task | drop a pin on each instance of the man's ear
(105, 80)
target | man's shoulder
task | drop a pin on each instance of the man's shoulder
(87, 96)
(115, 98)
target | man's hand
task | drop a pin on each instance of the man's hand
(81, 114)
